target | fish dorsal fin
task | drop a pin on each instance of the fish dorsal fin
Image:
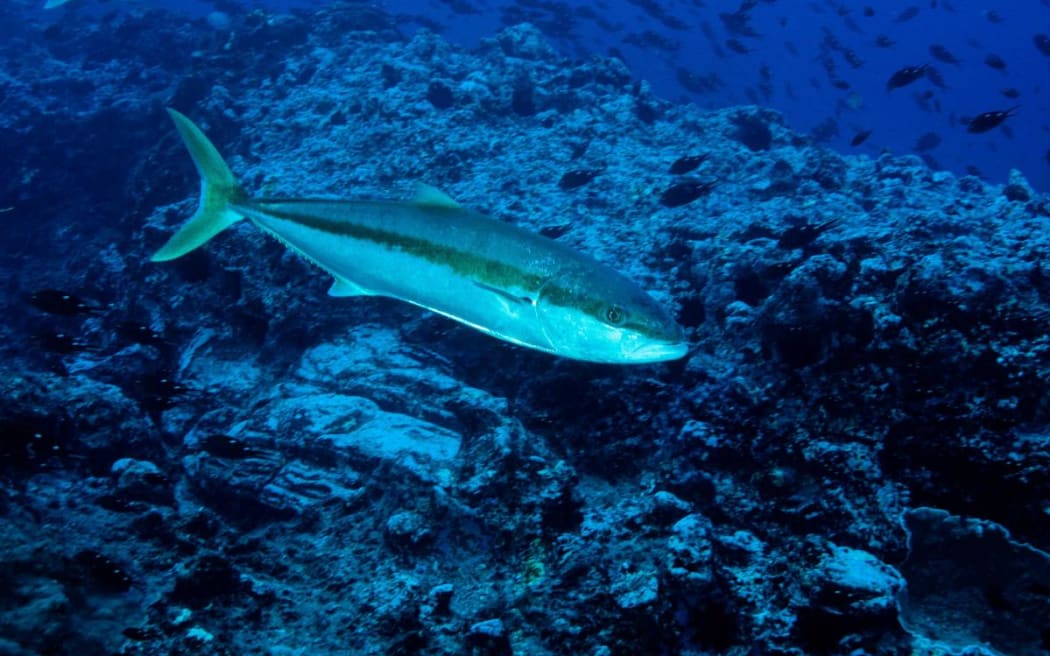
(343, 287)
(431, 197)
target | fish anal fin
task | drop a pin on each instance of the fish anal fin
(343, 287)
(428, 196)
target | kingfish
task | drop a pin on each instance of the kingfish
(507, 282)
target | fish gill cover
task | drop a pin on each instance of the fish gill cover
(213, 456)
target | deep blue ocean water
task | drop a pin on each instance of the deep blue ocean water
(797, 63)
(792, 42)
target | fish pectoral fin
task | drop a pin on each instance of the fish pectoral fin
(428, 196)
(509, 298)
(343, 287)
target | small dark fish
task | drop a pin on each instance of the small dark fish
(1010, 93)
(683, 193)
(739, 22)
(423, 21)
(157, 391)
(577, 178)
(28, 440)
(650, 40)
(737, 47)
(906, 76)
(160, 383)
(119, 504)
(935, 77)
(699, 83)
(989, 120)
(555, 231)
(616, 54)
(156, 478)
(907, 15)
(995, 61)
(826, 130)
(226, 446)
(852, 58)
(1047, 157)
(974, 171)
(805, 234)
(940, 53)
(860, 137)
(141, 635)
(841, 85)
(928, 141)
(686, 163)
(56, 301)
(103, 572)
(1042, 43)
(884, 41)
(930, 161)
(869, 12)
(993, 16)
(60, 342)
(140, 333)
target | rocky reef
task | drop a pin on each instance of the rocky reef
(214, 457)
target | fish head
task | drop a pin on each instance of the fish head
(605, 317)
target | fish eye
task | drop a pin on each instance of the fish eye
(615, 315)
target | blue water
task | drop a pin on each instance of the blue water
(800, 86)
(791, 51)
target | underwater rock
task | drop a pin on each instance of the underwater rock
(856, 583)
(970, 583)
(489, 636)
(577, 178)
(439, 95)
(1017, 188)
(635, 589)
(209, 580)
(522, 100)
(408, 531)
(522, 41)
(847, 583)
(141, 480)
(690, 550)
(866, 335)
(440, 599)
(34, 619)
(752, 130)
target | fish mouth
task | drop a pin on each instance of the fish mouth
(658, 351)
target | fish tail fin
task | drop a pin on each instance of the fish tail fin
(218, 189)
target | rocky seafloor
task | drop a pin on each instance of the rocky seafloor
(220, 459)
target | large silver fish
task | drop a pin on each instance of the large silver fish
(510, 283)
